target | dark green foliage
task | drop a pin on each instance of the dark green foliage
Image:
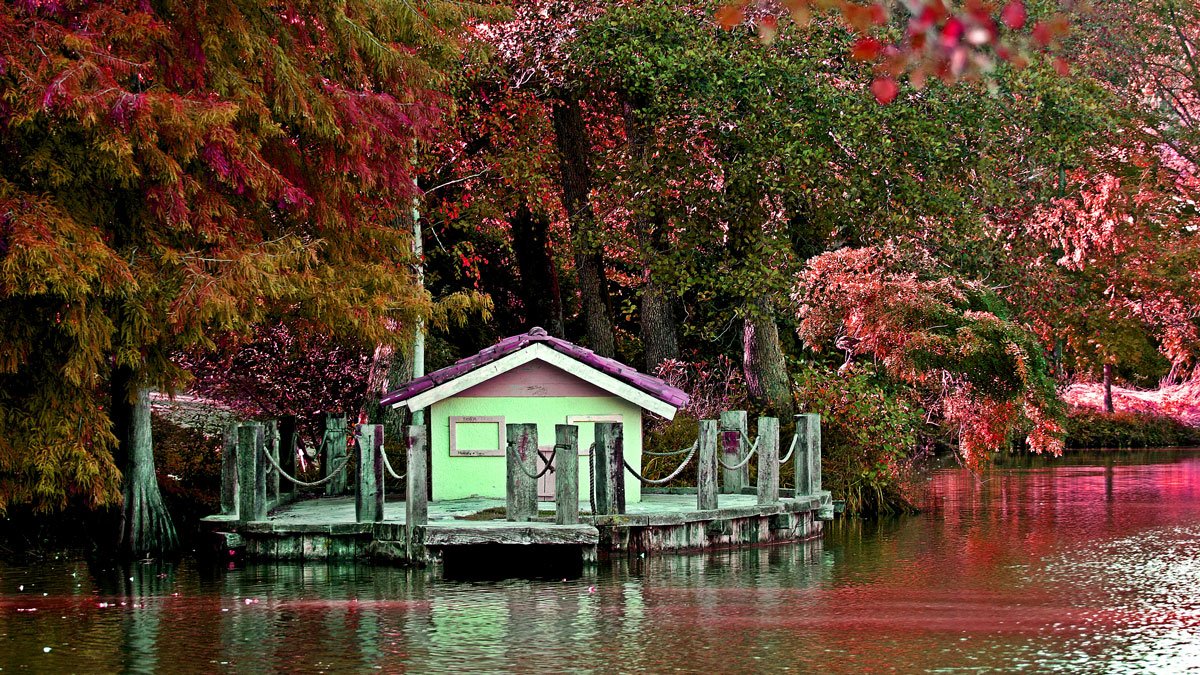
(1089, 428)
(869, 434)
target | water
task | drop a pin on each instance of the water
(1081, 565)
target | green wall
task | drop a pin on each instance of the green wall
(461, 477)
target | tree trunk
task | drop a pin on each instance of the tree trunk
(763, 364)
(658, 325)
(657, 314)
(1108, 377)
(570, 133)
(539, 287)
(146, 527)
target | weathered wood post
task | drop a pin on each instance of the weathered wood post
(808, 454)
(768, 461)
(252, 475)
(733, 447)
(610, 469)
(271, 438)
(566, 474)
(416, 499)
(522, 462)
(706, 468)
(368, 499)
(333, 454)
(287, 451)
(229, 471)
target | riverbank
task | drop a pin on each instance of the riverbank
(1090, 428)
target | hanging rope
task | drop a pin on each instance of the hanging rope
(746, 439)
(544, 469)
(332, 474)
(745, 460)
(790, 450)
(592, 482)
(673, 453)
(388, 465)
(663, 481)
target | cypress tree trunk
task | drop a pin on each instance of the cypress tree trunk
(574, 149)
(763, 363)
(146, 527)
(539, 285)
(1108, 378)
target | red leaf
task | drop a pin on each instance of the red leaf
(1041, 33)
(878, 14)
(729, 16)
(885, 89)
(768, 29)
(952, 32)
(1062, 67)
(866, 49)
(1013, 15)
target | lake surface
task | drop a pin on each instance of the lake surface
(1085, 564)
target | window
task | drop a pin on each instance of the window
(477, 437)
(587, 428)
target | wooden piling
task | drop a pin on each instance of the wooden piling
(610, 469)
(333, 454)
(229, 471)
(287, 451)
(368, 498)
(252, 475)
(768, 461)
(271, 438)
(706, 469)
(566, 474)
(733, 446)
(416, 499)
(522, 462)
(807, 459)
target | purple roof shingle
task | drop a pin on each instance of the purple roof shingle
(646, 383)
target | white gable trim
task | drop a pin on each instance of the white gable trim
(540, 352)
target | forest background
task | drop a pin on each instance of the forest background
(960, 228)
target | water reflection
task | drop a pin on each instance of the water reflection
(1077, 565)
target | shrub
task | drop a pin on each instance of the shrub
(869, 433)
(1090, 428)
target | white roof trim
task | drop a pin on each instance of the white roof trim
(539, 352)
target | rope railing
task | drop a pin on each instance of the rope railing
(549, 464)
(745, 460)
(318, 483)
(673, 453)
(388, 466)
(792, 449)
(746, 439)
(674, 474)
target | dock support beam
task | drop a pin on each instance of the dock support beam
(609, 467)
(229, 471)
(287, 452)
(521, 490)
(333, 453)
(566, 474)
(808, 454)
(768, 461)
(252, 474)
(706, 469)
(271, 437)
(733, 447)
(368, 499)
(416, 497)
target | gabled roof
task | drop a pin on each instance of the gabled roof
(644, 390)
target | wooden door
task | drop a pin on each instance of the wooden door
(546, 482)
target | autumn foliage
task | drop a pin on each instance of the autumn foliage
(982, 376)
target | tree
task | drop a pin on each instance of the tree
(172, 169)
